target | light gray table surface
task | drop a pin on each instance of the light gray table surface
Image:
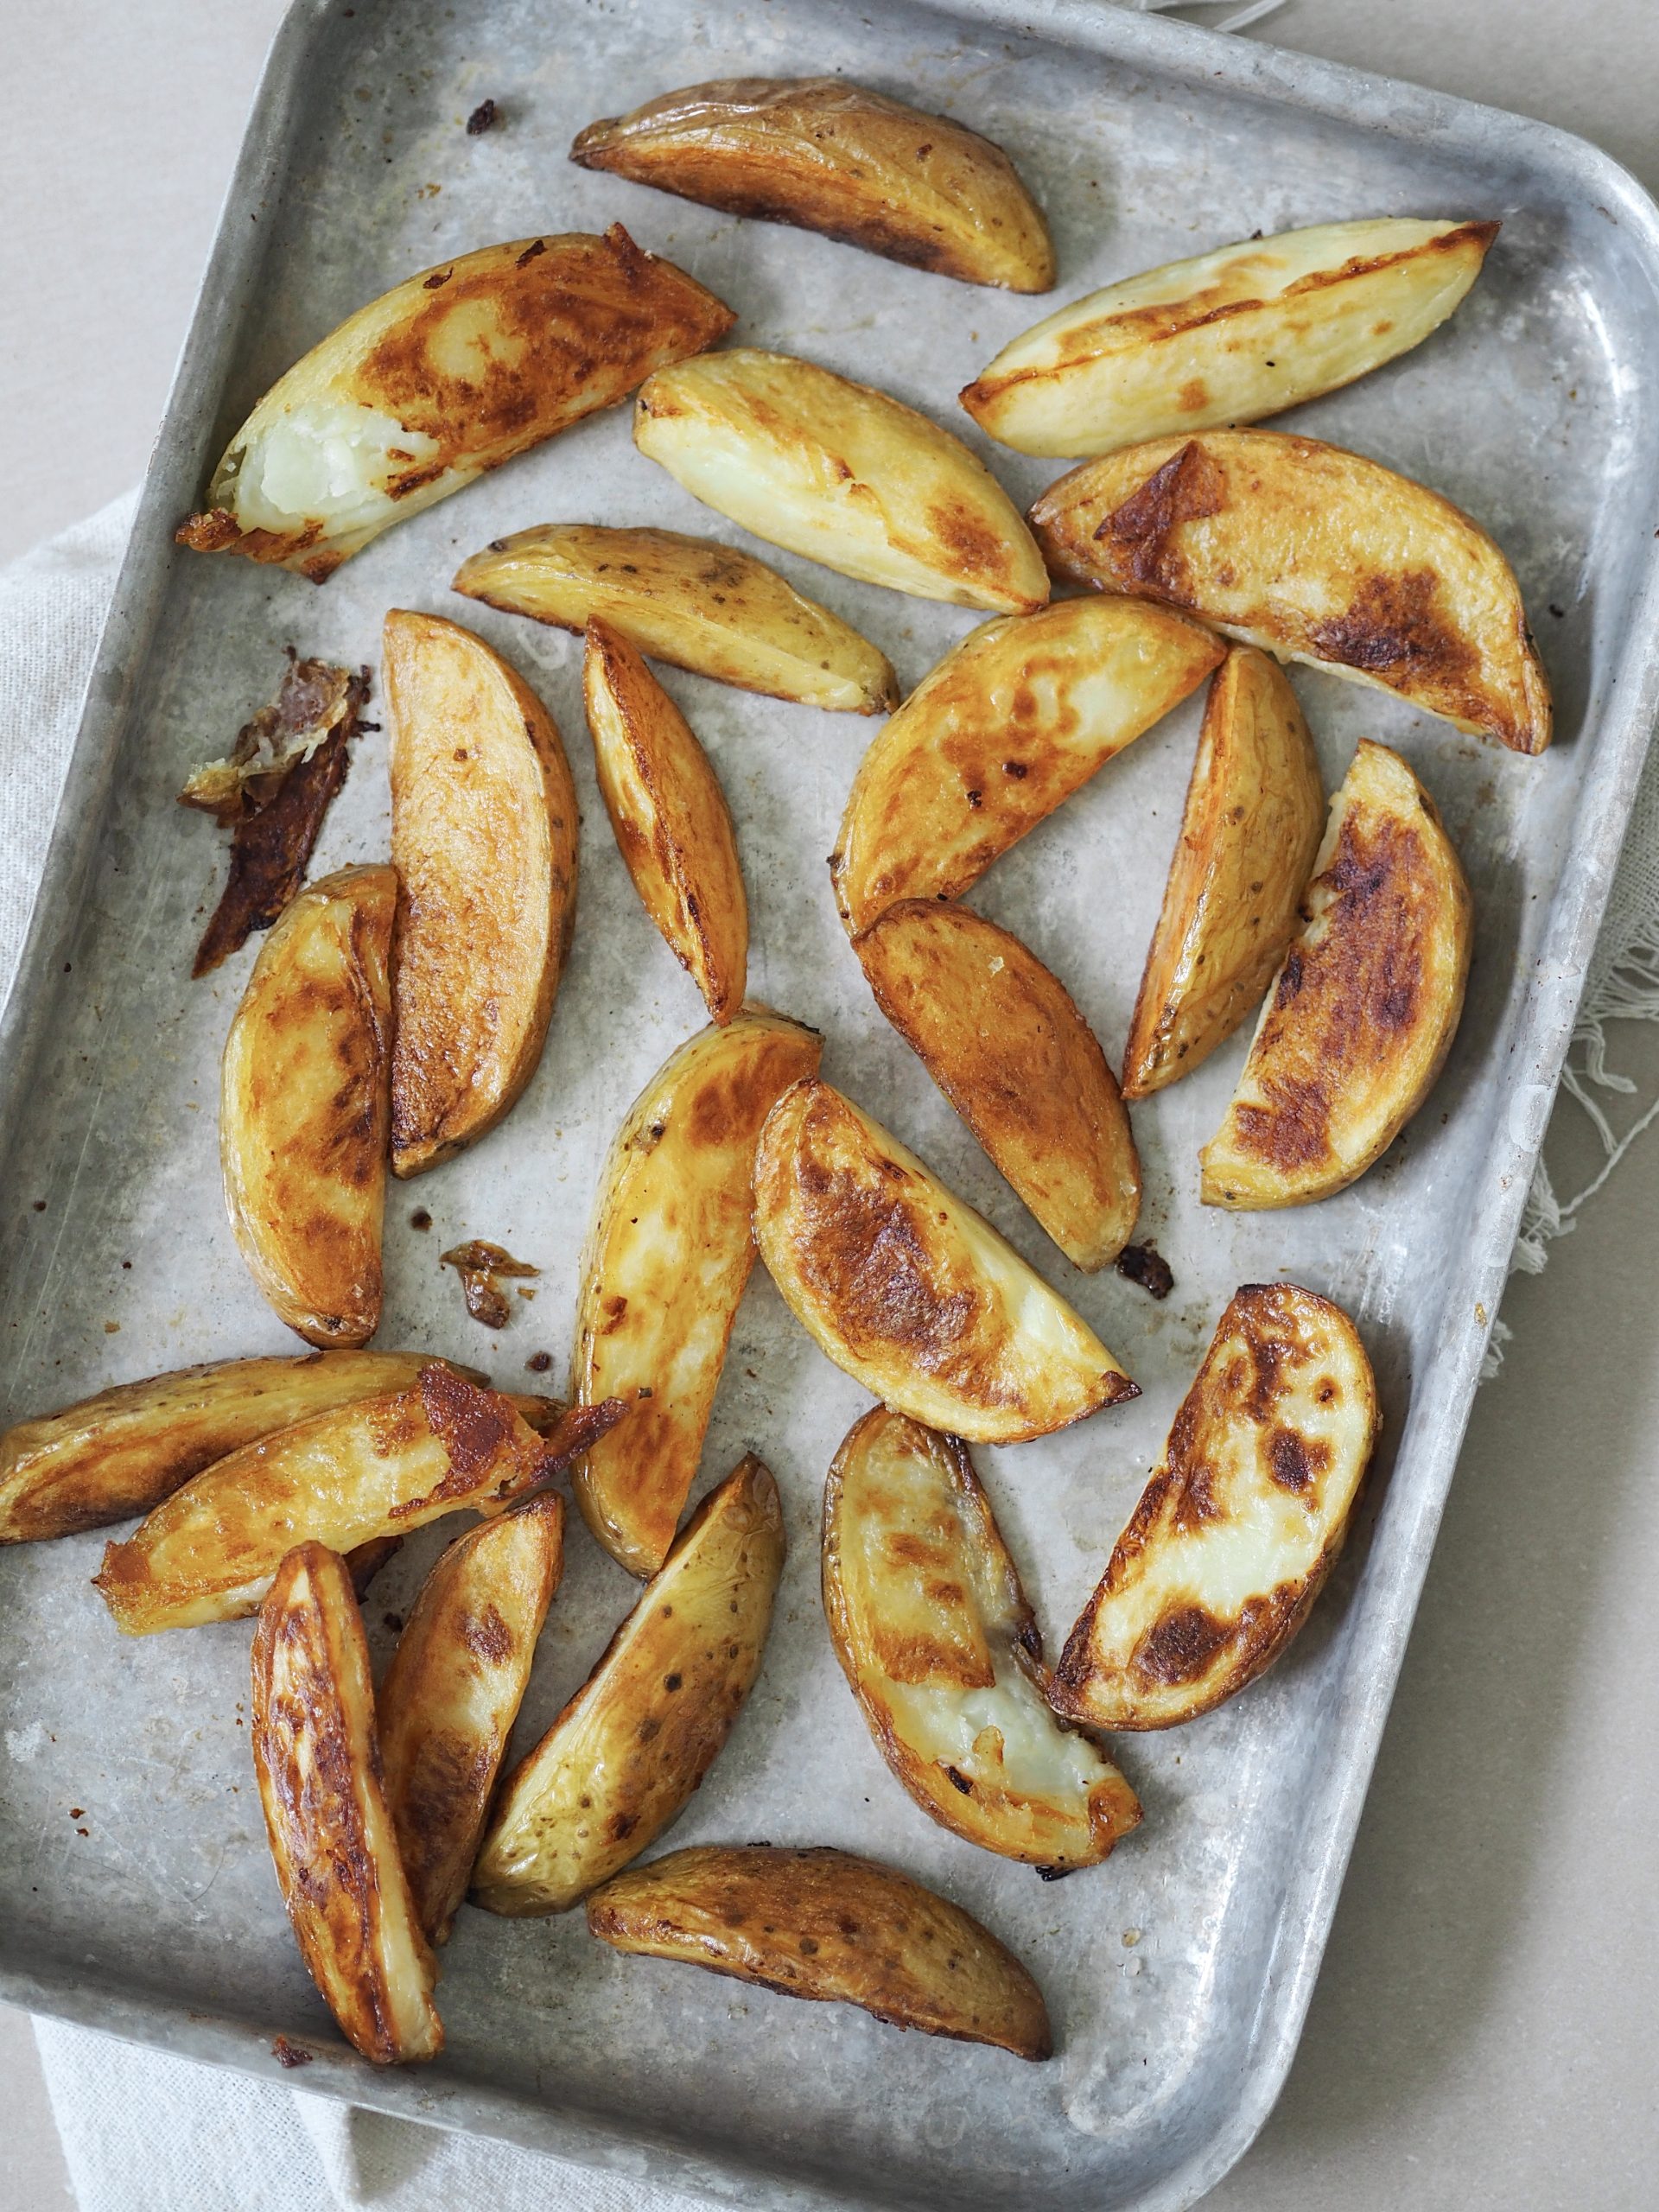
(1482, 2034)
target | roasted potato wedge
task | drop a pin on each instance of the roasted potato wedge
(326, 1812)
(1255, 807)
(842, 473)
(821, 1923)
(829, 156)
(688, 600)
(1366, 1004)
(380, 1467)
(452, 1693)
(1227, 337)
(1242, 1521)
(1315, 555)
(1003, 1040)
(125, 1450)
(621, 1759)
(943, 1653)
(303, 1108)
(451, 372)
(903, 1285)
(1013, 720)
(672, 824)
(668, 1255)
(484, 837)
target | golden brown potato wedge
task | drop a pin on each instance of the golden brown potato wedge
(943, 1653)
(821, 1923)
(1011, 722)
(1366, 1004)
(1227, 337)
(326, 1813)
(484, 837)
(673, 826)
(829, 156)
(688, 600)
(381, 1467)
(621, 1759)
(668, 1255)
(303, 1108)
(451, 372)
(1255, 806)
(903, 1285)
(1316, 555)
(842, 473)
(1003, 1040)
(452, 1693)
(125, 1450)
(1238, 1528)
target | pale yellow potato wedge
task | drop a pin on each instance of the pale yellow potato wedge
(1003, 1037)
(331, 1833)
(621, 1759)
(453, 1691)
(688, 601)
(304, 1106)
(945, 1658)
(673, 827)
(484, 837)
(667, 1258)
(448, 374)
(821, 1923)
(1255, 808)
(1316, 555)
(1366, 1004)
(1014, 719)
(908, 1289)
(842, 473)
(1241, 1524)
(826, 155)
(125, 1450)
(380, 1467)
(1226, 337)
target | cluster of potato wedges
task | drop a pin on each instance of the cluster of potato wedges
(396, 1013)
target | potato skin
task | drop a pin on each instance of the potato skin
(667, 1259)
(1014, 719)
(1313, 554)
(303, 1108)
(1226, 337)
(688, 600)
(842, 473)
(380, 1467)
(672, 824)
(1367, 1001)
(944, 1656)
(448, 374)
(1003, 1040)
(1255, 808)
(330, 1832)
(828, 155)
(1241, 1524)
(453, 1691)
(128, 1448)
(908, 1289)
(823, 1924)
(619, 1764)
(484, 823)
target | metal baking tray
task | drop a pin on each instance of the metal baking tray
(136, 1891)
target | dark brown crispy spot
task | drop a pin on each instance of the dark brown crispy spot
(1295, 1460)
(478, 1264)
(1180, 1647)
(488, 1635)
(1145, 1264)
(289, 2054)
(269, 850)
(1140, 534)
(1393, 628)
(868, 1255)
(974, 548)
(479, 121)
(960, 1782)
(474, 1426)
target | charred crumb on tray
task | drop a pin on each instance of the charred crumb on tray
(539, 1362)
(289, 2054)
(1146, 1265)
(483, 118)
(478, 1264)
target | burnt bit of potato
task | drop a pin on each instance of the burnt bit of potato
(478, 1264)
(1145, 1264)
(290, 2054)
(1189, 487)
(483, 118)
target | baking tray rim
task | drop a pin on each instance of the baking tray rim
(1384, 1603)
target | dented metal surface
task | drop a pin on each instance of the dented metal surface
(1534, 409)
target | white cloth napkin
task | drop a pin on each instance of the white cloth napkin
(146, 2133)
